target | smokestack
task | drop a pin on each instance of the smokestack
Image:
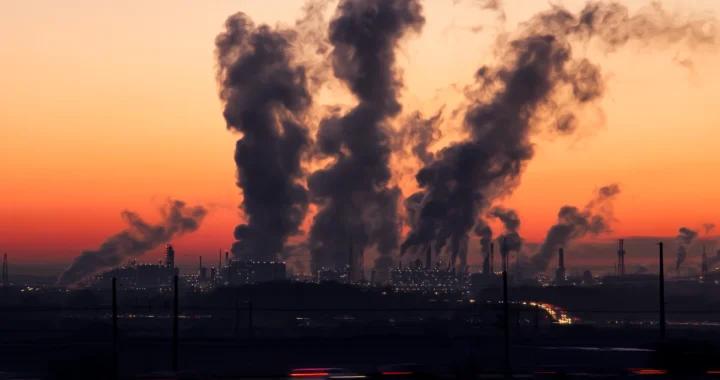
(428, 257)
(704, 268)
(492, 258)
(227, 258)
(560, 273)
(362, 265)
(486, 262)
(200, 262)
(350, 265)
(169, 256)
(5, 272)
(621, 258)
(219, 259)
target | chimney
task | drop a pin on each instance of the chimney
(428, 257)
(704, 268)
(200, 262)
(350, 265)
(492, 257)
(560, 273)
(621, 258)
(486, 263)
(362, 264)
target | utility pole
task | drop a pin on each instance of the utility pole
(175, 342)
(662, 292)
(250, 319)
(506, 312)
(115, 329)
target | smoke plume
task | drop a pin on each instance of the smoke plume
(684, 238)
(510, 239)
(356, 202)
(537, 84)
(139, 238)
(708, 227)
(574, 223)
(265, 96)
(420, 132)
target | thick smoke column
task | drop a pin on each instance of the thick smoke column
(485, 233)
(684, 238)
(510, 238)
(266, 97)
(353, 193)
(420, 132)
(708, 227)
(574, 223)
(537, 83)
(139, 238)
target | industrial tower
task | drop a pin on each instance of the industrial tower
(5, 273)
(704, 263)
(621, 258)
(169, 256)
(560, 273)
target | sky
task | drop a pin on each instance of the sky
(107, 106)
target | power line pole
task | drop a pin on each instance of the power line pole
(115, 328)
(506, 312)
(662, 291)
(175, 327)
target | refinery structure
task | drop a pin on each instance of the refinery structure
(430, 276)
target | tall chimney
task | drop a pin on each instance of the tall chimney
(227, 257)
(492, 258)
(486, 263)
(428, 257)
(560, 273)
(621, 258)
(351, 267)
(200, 262)
(704, 263)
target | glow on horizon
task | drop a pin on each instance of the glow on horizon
(112, 106)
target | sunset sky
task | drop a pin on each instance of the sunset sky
(107, 106)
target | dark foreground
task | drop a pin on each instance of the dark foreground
(480, 356)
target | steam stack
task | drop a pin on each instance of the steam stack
(704, 269)
(351, 267)
(428, 257)
(227, 258)
(5, 272)
(202, 272)
(621, 258)
(169, 256)
(486, 263)
(492, 258)
(560, 273)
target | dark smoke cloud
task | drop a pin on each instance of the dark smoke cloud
(574, 223)
(537, 84)
(265, 96)
(510, 239)
(139, 238)
(485, 233)
(420, 133)
(684, 238)
(708, 227)
(353, 193)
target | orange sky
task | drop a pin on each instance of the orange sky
(106, 106)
